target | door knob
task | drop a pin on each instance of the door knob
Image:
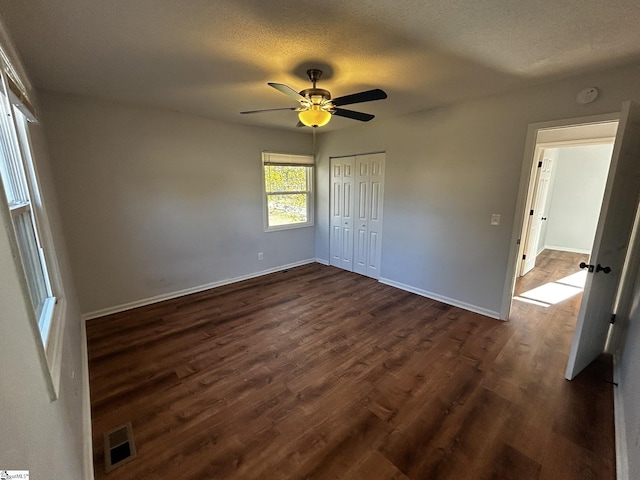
(587, 266)
(600, 268)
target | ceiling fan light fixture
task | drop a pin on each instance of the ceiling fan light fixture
(315, 116)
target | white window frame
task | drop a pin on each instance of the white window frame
(283, 159)
(48, 321)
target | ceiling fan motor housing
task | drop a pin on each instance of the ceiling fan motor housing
(316, 95)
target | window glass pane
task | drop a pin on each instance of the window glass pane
(287, 209)
(31, 260)
(15, 185)
(285, 178)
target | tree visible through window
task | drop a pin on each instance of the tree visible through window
(288, 181)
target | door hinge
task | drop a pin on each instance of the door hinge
(524, 257)
(518, 242)
(531, 212)
(539, 164)
(613, 319)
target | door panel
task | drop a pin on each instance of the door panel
(610, 244)
(341, 205)
(362, 199)
(373, 267)
(362, 220)
(360, 254)
(541, 189)
(374, 226)
(335, 222)
(375, 201)
(346, 260)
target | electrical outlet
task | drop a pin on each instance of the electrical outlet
(495, 219)
(260, 256)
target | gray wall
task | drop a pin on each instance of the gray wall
(447, 171)
(51, 439)
(47, 438)
(156, 202)
(580, 178)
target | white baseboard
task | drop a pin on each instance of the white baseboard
(567, 249)
(87, 438)
(188, 291)
(441, 298)
(622, 452)
(322, 261)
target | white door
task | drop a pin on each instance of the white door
(374, 234)
(369, 184)
(536, 212)
(610, 244)
(363, 193)
(341, 205)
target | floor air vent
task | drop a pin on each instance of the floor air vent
(118, 447)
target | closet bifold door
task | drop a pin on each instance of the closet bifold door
(369, 186)
(341, 207)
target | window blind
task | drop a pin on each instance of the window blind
(284, 159)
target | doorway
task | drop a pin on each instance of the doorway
(566, 189)
(560, 203)
(535, 199)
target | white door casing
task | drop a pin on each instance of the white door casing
(341, 206)
(610, 244)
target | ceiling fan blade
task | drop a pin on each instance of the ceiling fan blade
(363, 117)
(368, 96)
(287, 90)
(269, 110)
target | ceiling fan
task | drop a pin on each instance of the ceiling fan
(317, 107)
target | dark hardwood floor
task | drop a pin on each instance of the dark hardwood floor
(318, 373)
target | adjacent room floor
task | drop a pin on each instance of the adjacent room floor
(318, 373)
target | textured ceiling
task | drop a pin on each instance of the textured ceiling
(214, 57)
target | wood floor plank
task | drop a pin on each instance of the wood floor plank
(317, 373)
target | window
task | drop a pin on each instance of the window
(288, 187)
(22, 196)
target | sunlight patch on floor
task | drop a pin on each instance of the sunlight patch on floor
(577, 279)
(555, 292)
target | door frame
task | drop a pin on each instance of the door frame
(525, 193)
(534, 181)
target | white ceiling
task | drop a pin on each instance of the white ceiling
(214, 57)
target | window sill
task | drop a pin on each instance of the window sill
(288, 227)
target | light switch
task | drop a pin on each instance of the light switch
(495, 219)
